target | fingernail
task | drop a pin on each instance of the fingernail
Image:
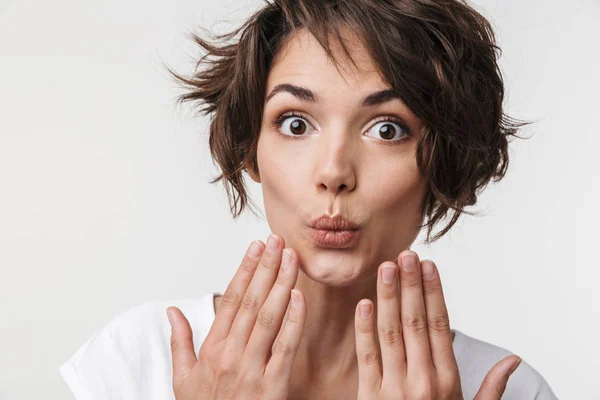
(287, 259)
(272, 243)
(254, 249)
(428, 270)
(169, 317)
(409, 262)
(514, 367)
(365, 309)
(388, 273)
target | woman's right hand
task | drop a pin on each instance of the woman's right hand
(244, 356)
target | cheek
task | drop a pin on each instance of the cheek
(396, 186)
(394, 198)
(283, 175)
(286, 200)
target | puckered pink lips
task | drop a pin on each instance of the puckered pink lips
(337, 223)
(335, 232)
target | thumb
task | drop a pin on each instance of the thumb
(182, 343)
(494, 383)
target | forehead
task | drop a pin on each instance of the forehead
(304, 60)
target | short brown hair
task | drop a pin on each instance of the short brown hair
(439, 55)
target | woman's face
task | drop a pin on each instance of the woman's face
(338, 156)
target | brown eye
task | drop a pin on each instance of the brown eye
(292, 125)
(389, 131)
(297, 127)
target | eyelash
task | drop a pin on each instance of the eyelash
(278, 121)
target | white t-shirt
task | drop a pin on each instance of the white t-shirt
(130, 357)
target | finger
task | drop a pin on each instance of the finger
(369, 367)
(438, 322)
(182, 343)
(271, 314)
(286, 346)
(256, 294)
(232, 298)
(494, 383)
(388, 322)
(413, 317)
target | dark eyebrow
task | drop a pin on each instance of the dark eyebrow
(298, 91)
(306, 94)
(381, 96)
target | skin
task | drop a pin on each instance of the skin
(340, 164)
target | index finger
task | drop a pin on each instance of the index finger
(232, 298)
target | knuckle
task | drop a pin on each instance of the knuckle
(174, 345)
(230, 299)
(282, 281)
(265, 318)
(247, 380)
(389, 294)
(424, 390)
(439, 324)
(295, 318)
(281, 349)
(492, 385)
(411, 283)
(365, 328)
(392, 335)
(226, 365)
(249, 265)
(415, 323)
(268, 262)
(250, 301)
(449, 376)
(369, 358)
(448, 387)
(262, 388)
(432, 287)
(426, 394)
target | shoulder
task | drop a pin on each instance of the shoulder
(476, 357)
(130, 356)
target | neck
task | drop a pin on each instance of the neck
(327, 352)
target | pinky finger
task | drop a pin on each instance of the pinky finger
(369, 367)
(287, 342)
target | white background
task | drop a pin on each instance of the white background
(105, 201)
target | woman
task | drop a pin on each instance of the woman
(360, 119)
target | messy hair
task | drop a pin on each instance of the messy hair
(440, 56)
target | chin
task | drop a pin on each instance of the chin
(335, 268)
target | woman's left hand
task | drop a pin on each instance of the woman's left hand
(417, 359)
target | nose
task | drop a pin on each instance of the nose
(336, 160)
